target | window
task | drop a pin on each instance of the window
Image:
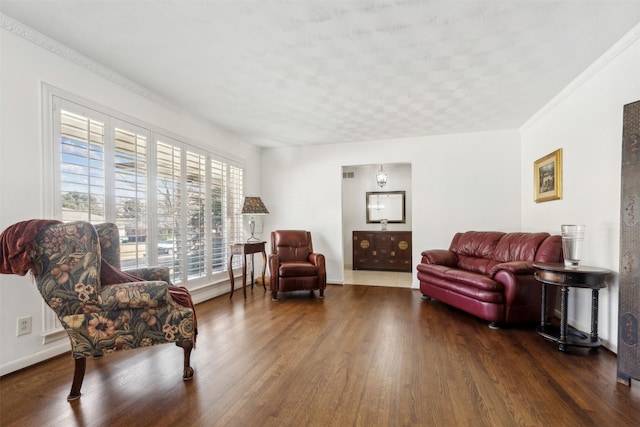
(81, 165)
(234, 229)
(175, 205)
(169, 207)
(130, 194)
(197, 209)
(218, 226)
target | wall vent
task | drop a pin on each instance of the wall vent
(348, 175)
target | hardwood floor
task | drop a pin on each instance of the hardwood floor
(390, 279)
(362, 356)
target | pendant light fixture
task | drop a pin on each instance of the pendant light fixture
(381, 177)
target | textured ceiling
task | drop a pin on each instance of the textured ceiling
(305, 72)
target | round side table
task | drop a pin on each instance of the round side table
(567, 277)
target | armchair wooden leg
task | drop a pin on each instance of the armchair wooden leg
(187, 346)
(274, 295)
(321, 293)
(78, 376)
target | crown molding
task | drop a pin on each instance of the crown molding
(27, 33)
(620, 46)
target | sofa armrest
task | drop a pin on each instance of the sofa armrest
(274, 262)
(440, 257)
(316, 259)
(523, 294)
(319, 261)
(134, 295)
(515, 267)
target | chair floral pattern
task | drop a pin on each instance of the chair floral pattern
(110, 248)
(103, 319)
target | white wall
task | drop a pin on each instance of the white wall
(586, 122)
(24, 67)
(458, 183)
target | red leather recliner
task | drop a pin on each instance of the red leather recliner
(293, 265)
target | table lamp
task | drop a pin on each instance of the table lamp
(253, 206)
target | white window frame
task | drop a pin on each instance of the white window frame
(53, 99)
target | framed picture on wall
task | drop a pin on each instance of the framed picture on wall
(547, 177)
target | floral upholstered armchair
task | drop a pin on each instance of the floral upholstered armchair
(103, 318)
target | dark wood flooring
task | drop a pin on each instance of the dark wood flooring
(362, 356)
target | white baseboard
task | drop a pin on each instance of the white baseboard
(32, 359)
(210, 291)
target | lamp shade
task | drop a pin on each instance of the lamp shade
(254, 206)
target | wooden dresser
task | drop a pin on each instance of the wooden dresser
(382, 250)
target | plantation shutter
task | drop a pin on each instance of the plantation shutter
(196, 208)
(130, 188)
(233, 202)
(82, 166)
(218, 241)
(169, 209)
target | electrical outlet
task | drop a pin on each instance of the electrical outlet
(24, 326)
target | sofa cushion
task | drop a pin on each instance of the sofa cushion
(474, 293)
(475, 250)
(518, 246)
(479, 244)
(476, 265)
(460, 282)
(463, 277)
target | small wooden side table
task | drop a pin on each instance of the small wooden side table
(244, 249)
(566, 277)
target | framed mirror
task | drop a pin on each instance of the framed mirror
(389, 205)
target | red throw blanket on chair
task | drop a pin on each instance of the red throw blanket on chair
(16, 244)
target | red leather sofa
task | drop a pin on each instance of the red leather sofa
(489, 274)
